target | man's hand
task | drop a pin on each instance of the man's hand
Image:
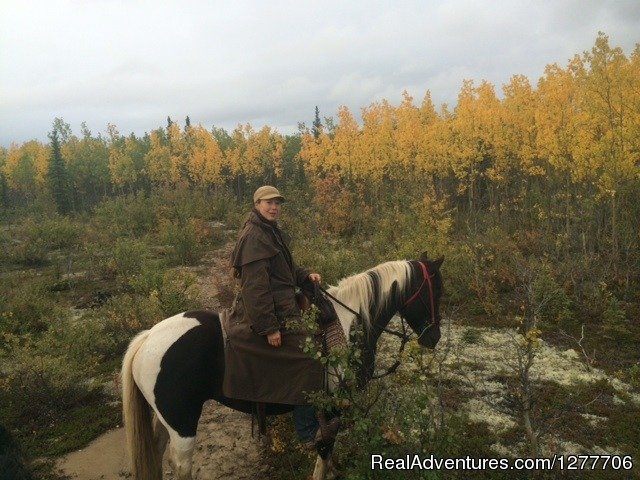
(274, 338)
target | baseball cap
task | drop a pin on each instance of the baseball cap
(267, 192)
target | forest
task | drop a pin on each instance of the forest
(532, 195)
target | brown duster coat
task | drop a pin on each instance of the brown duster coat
(255, 370)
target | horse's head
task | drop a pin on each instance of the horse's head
(421, 309)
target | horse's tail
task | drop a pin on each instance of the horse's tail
(145, 459)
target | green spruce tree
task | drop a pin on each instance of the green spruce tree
(58, 176)
(317, 125)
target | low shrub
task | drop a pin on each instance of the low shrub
(555, 305)
(127, 216)
(30, 253)
(29, 307)
(179, 292)
(84, 339)
(37, 387)
(185, 241)
(126, 259)
(127, 314)
(57, 232)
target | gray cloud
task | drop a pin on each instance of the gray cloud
(226, 63)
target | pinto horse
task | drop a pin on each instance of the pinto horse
(169, 371)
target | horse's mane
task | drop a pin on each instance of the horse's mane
(370, 292)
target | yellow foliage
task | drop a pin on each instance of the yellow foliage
(344, 145)
(121, 163)
(372, 153)
(26, 166)
(178, 154)
(255, 153)
(206, 159)
(158, 160)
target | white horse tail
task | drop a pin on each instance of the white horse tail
(136, 412)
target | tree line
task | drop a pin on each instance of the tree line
(560, 158)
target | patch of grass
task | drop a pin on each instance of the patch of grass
(72, 430)
(623, 429)
(472, 335)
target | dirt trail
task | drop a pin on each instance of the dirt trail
(225, 448)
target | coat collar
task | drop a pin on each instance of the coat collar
(255, 217)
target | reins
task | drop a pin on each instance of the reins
(357, 314)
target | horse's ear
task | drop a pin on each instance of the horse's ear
(438, 263)
(424, 257)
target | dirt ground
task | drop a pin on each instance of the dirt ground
(225, 447)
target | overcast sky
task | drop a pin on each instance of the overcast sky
(134, 62)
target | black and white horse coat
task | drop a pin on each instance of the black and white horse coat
(170, 370)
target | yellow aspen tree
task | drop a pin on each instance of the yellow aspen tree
(158, 159)
(277, 154)
(254, 149)
(247, 151)
(121, 165)
(206, 160)
(632, 128)
(19, 170)
(235, 155)
(488, 128)
(372, 154)
(557, 120)
(26, 166)
(474, 127)
(434, 139)
(407, 134)
(263, 152)
(344, 145)
(465, 156)
(314, 152)
(556, 117)
(606, 114)
(179, 153)
(41, 161)
(516, 146)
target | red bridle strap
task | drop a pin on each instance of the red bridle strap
(426, 278)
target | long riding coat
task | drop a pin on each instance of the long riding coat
(255, 370)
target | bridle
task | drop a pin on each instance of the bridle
(426, 280)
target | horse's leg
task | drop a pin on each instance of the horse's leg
(160, 436)
(332, 472)
(325, 469)
(181, 455)
(320, 470)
